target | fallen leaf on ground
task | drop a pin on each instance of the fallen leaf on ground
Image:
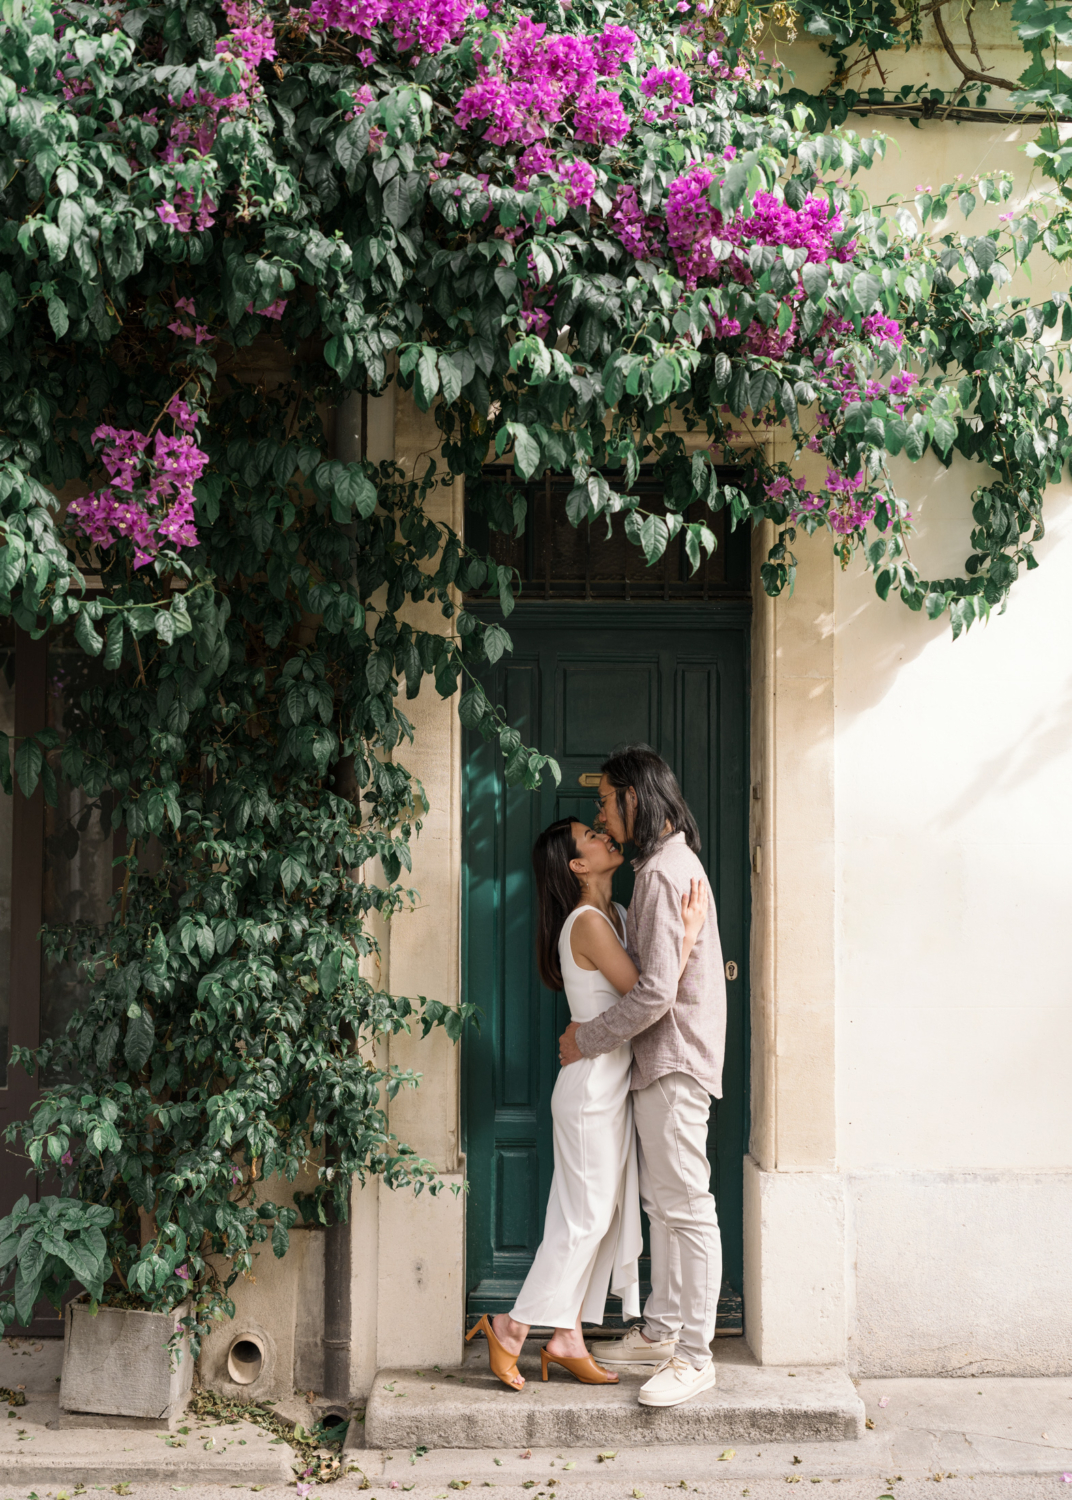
(797, 1460)
(455, 1484)
(527, 1453)
(605, 1457)
(638, 1494)
(122, 1488)
(726, 1454)
(869, 1424)
(497, 1461)
(885, 1401)
(570, 1465)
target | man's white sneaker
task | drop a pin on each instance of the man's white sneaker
(633, 1349)
(677, 1381)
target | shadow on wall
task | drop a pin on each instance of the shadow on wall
(875, 641)
(1030, 750)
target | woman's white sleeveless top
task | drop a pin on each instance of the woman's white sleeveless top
(591, 1241)
(588, 992)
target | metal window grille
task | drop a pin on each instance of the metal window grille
(556, 560)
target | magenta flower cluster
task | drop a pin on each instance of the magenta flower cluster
(538, 78)
(578, 177)
(416, 25)
(149, 497)
(669, 87)
(849, 506)
(193, 132)
(692, 224)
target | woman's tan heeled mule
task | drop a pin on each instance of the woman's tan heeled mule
(582, 1368)
(503, 1363)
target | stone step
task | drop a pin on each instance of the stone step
(469, 1408)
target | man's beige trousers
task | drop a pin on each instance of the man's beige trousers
(686, 1247)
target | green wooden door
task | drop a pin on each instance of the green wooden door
(582, 679)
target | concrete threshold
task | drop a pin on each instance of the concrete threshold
(36, 1452)
(468, 1408)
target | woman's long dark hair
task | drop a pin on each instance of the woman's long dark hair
(557, 891)
(659, 799)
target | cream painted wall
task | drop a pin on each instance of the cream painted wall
(954, 864)
(407, 1291)
(910, 1181)
(952, 826)
(952, 869)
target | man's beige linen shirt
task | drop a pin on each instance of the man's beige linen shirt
(675, 1027)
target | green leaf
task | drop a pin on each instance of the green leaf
(472, 707)
(85, 633)
(427, 381)
(12, 561)
(816, 279)
(526, 449)
(58, 316)
(663, 379)
(378, 670)
(138, 1043)
(401, 197)
(29, 758)
(113, 653)
(496, 641)
(355, 489)
(867, 289)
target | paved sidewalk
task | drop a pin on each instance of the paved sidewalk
(990, 1439)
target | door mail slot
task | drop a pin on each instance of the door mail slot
(589, 778)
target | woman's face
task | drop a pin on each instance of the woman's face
(597, 852)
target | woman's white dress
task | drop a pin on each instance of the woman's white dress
(591, 1235)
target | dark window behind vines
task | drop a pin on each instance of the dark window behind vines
(556, 560)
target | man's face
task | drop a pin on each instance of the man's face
(615, 814)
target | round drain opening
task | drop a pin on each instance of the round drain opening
(245, 1359)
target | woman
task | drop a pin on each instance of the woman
(592, 1237)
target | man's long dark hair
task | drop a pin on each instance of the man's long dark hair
(557, 891)
(659, 799)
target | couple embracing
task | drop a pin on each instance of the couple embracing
(641, 1058)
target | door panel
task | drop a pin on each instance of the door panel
(581, 680)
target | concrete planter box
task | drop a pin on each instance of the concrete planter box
(117, 1366)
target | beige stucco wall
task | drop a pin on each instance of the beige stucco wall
(407, 1291)
(913, 794)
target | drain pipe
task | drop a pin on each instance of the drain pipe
(351, 443)
(337, 1306)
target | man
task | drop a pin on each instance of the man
(678, 1032)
